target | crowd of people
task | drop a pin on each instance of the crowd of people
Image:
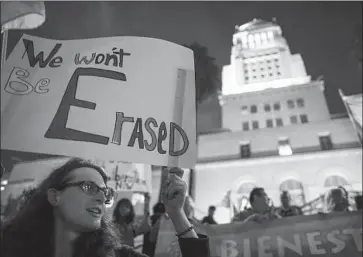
(67, 214)
(65, 217)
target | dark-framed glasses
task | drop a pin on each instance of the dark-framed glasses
(92, 188)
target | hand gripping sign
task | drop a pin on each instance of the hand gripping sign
(122, 98)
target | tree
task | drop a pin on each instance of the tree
(207, 73)
(207, 82)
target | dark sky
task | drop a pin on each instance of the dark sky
(323, 32)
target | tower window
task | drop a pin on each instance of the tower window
(284, 147)
(263, 36)
(255, 124)
(325, 142)
(244, 109)
(290, 104)
(245, 150)
(293, 119)
(269, 123)
(277, 107)
(304, 118)
(279, 122)
(278, 73)
(253, 108)
(300, 103)
(245, 126)
(270, 74)
(267, 108)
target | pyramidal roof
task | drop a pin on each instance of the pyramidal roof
(255, 24)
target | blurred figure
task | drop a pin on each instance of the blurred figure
(150, 238)
(359, 202)
(124, 217)
(337, 200)
(189, 210)
(210, 218)
(286, 209)
(260, 209)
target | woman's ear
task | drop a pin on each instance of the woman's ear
(53, 197)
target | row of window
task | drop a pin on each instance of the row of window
(263, 76)
(257, 39)
(270, 122)
(262, 69)
(284, 147)
(262, 62)
(291, 104)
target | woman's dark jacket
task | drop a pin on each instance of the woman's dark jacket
(95, 245)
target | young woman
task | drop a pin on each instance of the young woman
(64, 217)
(124, 217)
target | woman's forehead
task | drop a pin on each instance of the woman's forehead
(87, 174)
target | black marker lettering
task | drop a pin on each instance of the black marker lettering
(120, 119)
(152, 145)
(137, 133)
(58, 128)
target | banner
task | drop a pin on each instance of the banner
(338, 234)
(22, 14)
(353, 104)
(123, 98)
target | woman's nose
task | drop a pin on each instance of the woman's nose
(100, 197)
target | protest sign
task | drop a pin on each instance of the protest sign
(338, 234)
(122, 98)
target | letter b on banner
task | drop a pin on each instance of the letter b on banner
(229, 248)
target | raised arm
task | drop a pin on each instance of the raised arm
(191, 244)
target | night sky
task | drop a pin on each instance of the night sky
(322, 32)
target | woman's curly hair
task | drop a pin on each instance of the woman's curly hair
(116, 213)
(31, 231)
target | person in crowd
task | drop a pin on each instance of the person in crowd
(65, 217)
(337, 200)
(210, 218)
(151, 236)
(260, 209)
(124, 218)
(286, 209)
(189, 209)
(359, 202)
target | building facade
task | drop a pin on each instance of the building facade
(277, 131)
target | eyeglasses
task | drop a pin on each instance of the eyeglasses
(91, 188)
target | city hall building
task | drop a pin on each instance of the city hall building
(276, 131)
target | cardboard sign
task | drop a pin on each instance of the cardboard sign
(122, 98)
(338, 234)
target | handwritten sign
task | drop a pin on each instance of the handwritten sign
(331, 235)
(122, 98)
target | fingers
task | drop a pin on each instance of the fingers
(177, 171)
(175, 187)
